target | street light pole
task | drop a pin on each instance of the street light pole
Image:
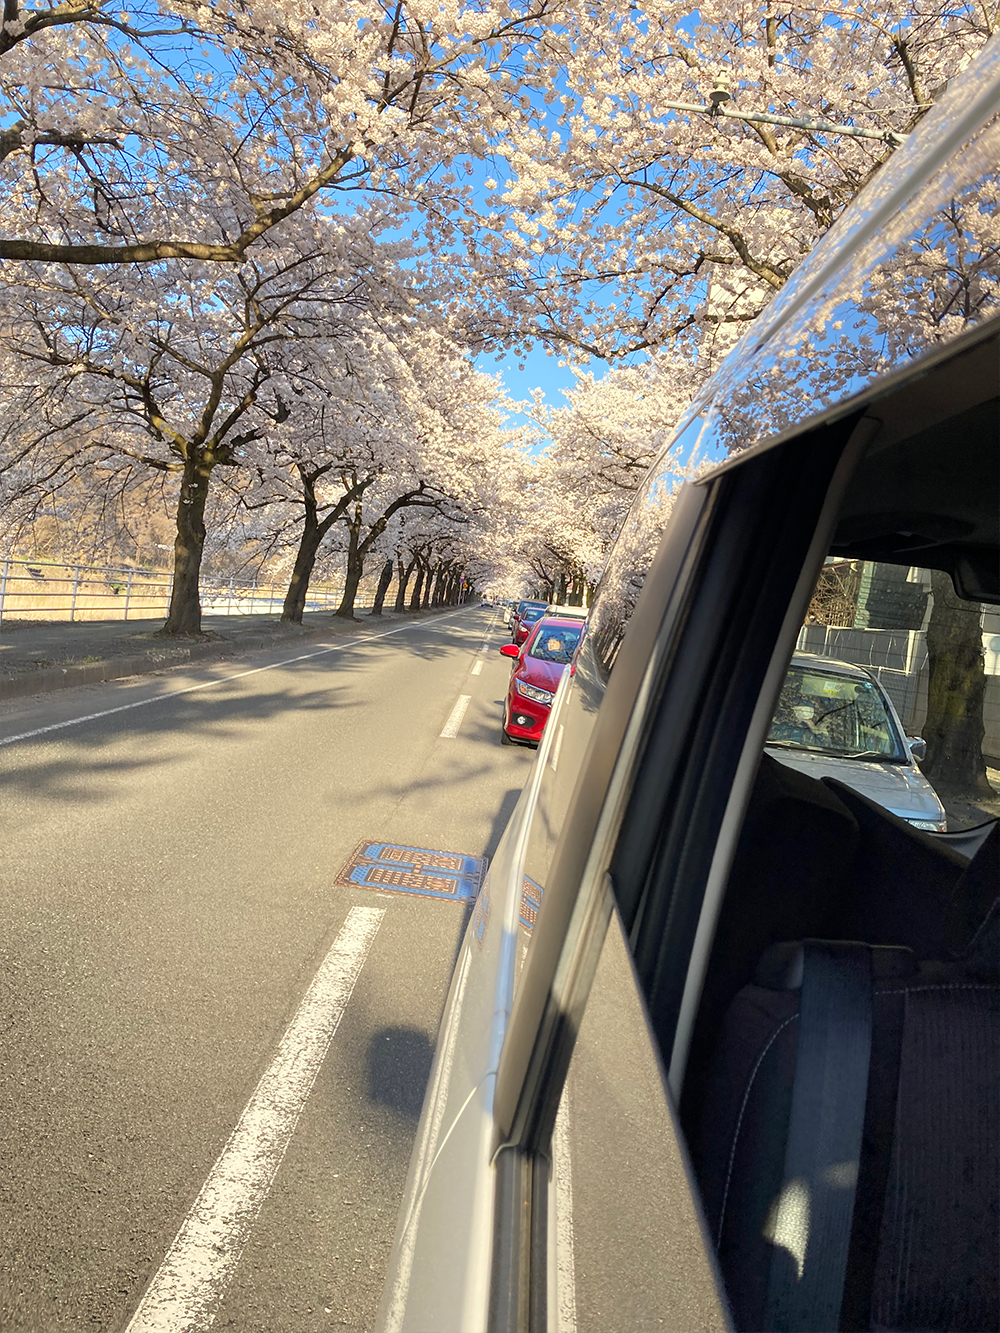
(718, 110)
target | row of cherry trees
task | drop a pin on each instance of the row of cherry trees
(254, 250)
(307, 397)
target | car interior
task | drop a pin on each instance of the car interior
(841, 1100)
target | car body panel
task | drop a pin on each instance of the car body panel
(640, 1254)
(439, 1269)
(900, 788)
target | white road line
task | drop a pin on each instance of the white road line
(565, 1261)
(450, 728)
(477, 668)
(185, 1293)
(205, 685)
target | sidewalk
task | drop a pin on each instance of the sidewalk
(38, 656)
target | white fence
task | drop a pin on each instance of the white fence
(48, 590)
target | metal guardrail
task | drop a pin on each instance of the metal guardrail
(51, 590)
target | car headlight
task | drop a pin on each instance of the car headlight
(532, 692)
(930, 825)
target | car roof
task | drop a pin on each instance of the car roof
(830, 665)
(559, 622)
(917, 178)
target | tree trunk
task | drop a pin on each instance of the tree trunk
(427, 589)
(384, 579)
(184, 615)
(440, 583)
(355, 568)
(956, 689)
(313, 532)
(404, 577)
(305, 559)
(417, 589)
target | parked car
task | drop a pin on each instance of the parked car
(525, 616)
(567, 612)
(721, 1047)
(834, 720)
(540, 663)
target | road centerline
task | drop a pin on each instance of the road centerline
(187, 1289)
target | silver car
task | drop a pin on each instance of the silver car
(835, 720)
(721, 1048)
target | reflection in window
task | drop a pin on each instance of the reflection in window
(555, 645)
(834, 714)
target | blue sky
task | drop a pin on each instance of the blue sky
(541, 371)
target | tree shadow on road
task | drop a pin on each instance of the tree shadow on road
(75, 764)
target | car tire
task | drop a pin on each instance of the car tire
(504, 738)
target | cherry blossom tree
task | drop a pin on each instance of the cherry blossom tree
(184, 376)
(632, 218)
(191, 131)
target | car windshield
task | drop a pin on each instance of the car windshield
(834, 714)
(532, 613)
(555, 643)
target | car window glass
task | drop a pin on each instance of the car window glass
(894, 690)
(827, 712)
(892, 291)
(637, 544)
(837, 327)
(555, 645)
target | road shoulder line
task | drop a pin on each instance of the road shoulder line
(187, 1289)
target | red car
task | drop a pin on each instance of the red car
(535, 678)
(526, 617)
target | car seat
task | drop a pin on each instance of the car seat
(848, 1144)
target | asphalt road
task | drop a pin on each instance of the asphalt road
(175, 954)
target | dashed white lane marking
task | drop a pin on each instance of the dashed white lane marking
(205, 685)
(477, 668)
(450, 728)
(185, 1293)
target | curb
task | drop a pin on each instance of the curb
(47, 679)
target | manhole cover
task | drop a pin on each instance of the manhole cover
(393, 868)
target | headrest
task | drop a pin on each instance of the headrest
(972, 921)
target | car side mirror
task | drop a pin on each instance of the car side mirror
(511, 650)
(918, 748)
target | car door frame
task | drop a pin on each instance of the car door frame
(659, 718)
